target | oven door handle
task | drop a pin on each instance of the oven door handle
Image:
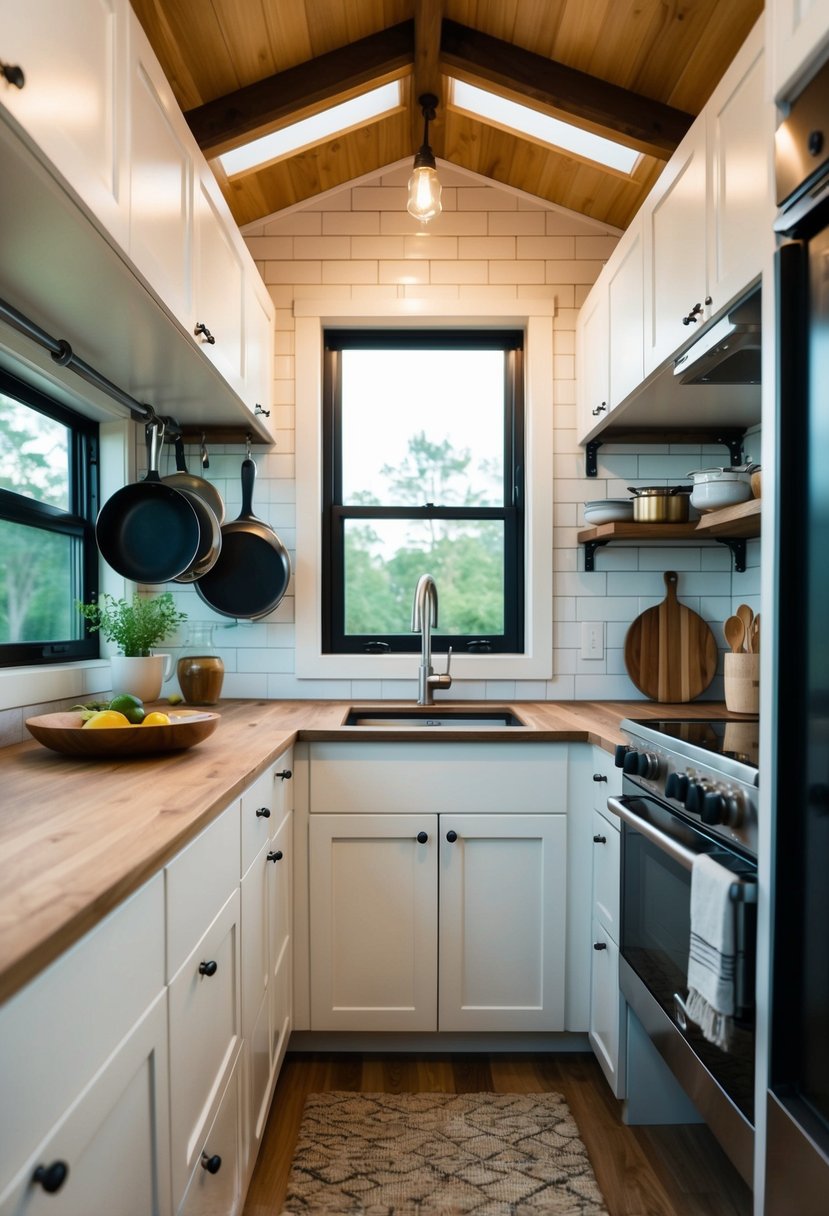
(685, 857)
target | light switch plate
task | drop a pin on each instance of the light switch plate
(592, 640)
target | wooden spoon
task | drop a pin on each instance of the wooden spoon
(754, 640)
(735, 632)
(746, 615)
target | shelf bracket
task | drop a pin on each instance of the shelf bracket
(734, 442)
(737, 545)
(591, 464)
(590, 547)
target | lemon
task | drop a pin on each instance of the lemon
(156, 718)
(131, 707)
(104, 719)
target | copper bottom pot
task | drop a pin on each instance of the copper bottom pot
(660, 504)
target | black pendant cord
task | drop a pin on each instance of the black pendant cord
(63, 354)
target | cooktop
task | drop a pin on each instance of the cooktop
(737, 740)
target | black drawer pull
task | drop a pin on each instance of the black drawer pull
(422, 837)
(211, 1164)
(51, 1177)
(263, 812)
(286, 774)
(599, 839)
(451, 836)
(277, 856)
(599, 777)
(600, 945)
(208, 969)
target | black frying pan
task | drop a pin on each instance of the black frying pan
(252, 572)
(182, 480)
(148, 531)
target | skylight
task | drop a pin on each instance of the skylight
(368, 107)
(532, 123)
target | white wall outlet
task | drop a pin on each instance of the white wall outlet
(592, 640)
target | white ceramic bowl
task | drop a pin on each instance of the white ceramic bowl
(608, 510)
(712, 495)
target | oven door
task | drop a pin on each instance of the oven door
(658, 851)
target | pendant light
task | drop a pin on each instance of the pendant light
(424, 188)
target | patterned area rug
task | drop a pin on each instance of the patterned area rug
(436, 1154)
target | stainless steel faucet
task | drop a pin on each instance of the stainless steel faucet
(424, 618)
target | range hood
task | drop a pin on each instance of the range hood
(729, 351)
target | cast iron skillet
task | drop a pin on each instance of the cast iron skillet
(252, 572)
(148, 531)
(182, 480)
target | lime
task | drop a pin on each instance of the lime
(175, 698)
(131, 707)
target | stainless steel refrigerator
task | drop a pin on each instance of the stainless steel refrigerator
(797, 1170)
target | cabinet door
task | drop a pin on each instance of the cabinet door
(607, 1009)
(161, 183)
(373, 899)
(114, 1139)
(593, 359)
(503, 909)
(626, 306)
(204, 1037)
(219, 285)
(797, 35)
(73, 102)
(740, 135)
(606, 849)
(676, 230)
(259, 343)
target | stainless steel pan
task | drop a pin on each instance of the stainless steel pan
(183, 480)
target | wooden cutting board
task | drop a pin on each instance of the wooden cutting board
(670, 653)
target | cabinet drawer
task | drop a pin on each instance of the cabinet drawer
(218, 1189)
(204, 1036)
(69, 1020)
(607, 1010)
(408, 778)
(604, 766)
(198, 882)
(271, 792)
(606, 852)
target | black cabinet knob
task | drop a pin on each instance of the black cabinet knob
(277, 856)
(600, 409)
(209, 968)
(600, 945)
(599, 777)
(285, 775)
(600, 839)
(422, 837)
(206, 336)
(51, 1177)
(211, 1164)
(451, 836)
(13, 73)
(263, 812)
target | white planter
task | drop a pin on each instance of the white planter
(142, 676)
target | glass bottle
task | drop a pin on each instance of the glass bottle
(200, 669)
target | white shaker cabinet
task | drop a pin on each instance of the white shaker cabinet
(219, 287)
(593, 358)
(797, 35)
(626, 303)
(607, 1006)
(216, 1186)
(71, 104)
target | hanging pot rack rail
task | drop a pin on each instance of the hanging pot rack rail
(62, 353)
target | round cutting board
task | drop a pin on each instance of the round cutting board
(670, 653)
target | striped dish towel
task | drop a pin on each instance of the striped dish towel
(711, 965)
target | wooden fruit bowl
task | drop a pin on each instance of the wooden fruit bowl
(64, 732)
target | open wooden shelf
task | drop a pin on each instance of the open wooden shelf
(731, 525)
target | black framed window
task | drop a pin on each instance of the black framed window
(48, 504)
(423, 459)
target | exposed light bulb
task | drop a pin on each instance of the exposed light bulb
(424, 194)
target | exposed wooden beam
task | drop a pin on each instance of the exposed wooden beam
(427, 78)
(293, 94)
(644, 124)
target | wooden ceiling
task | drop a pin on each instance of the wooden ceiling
(639, 70)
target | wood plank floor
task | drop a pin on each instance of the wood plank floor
(653, 1171)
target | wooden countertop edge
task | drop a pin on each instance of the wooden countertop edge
(36, 929)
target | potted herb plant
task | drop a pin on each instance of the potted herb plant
(136, 627)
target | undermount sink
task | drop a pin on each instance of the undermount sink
(433, 716)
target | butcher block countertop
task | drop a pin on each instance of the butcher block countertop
(79, 835)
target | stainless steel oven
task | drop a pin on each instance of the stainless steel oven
(690, 788)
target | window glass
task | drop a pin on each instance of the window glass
(34, 454)
(37, 587)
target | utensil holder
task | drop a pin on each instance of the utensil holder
(742, 683)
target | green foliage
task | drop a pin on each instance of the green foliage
(135, 627)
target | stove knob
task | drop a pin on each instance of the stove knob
(735, 811)
(648, 765)
(693, 799)
(677, 786)
(631, 763)
(713, 808)
(619, 756)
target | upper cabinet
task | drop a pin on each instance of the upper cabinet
(797, 35)
(162, 276)
(699, 241)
